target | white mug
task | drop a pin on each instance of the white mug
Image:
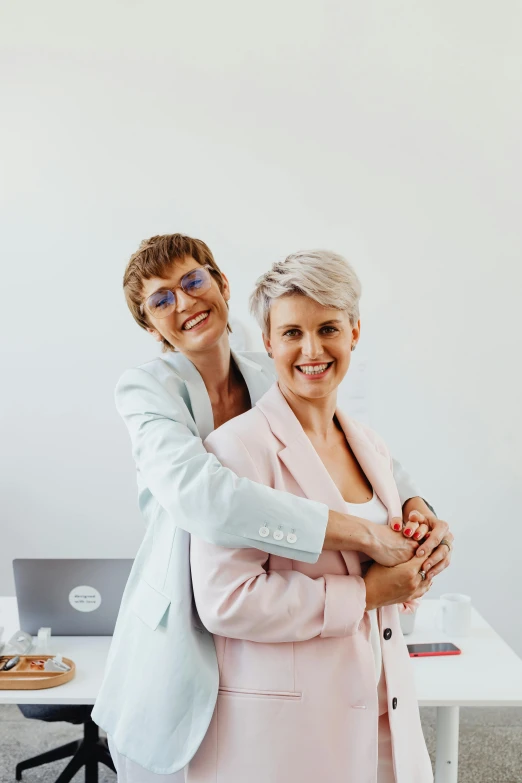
(455, 614)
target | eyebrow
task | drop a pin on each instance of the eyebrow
(324, 323)
(160, 290)
(169, 288)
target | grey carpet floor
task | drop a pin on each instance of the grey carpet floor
(490, 745)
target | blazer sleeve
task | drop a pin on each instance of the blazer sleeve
(238, 596)
(199, 494)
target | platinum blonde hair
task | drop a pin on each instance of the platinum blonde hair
(321, 275)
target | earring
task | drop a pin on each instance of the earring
(270, 354)
(353, 346)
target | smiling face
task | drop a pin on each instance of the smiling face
(311, 345)
(197, 323)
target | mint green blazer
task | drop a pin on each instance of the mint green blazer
(161, 680)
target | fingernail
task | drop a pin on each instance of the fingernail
(407, 532)
(396, 526)
(420, 552)
(416, 535)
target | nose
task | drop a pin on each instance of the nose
(183, 300)
(311, 346)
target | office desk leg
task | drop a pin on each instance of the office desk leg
(447, 752)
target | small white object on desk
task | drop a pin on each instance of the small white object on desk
(407, 621)
(20, 643)
(43, 641)
(56, 664)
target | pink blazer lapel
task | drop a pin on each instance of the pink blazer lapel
(375, 465)
(303, 462)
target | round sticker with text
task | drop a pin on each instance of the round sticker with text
(85, 598)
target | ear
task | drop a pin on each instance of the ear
(267, 343)
(157, 335)
(226, 287)
(356, 332)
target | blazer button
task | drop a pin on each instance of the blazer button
(278, 535)
(394, 703)
(264, 532)
(291, 538)
(387, 633)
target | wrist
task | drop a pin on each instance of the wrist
(348, 533)
(370, 601)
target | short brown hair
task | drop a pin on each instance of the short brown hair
(154, 258)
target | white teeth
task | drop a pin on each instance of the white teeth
(319, 368)
(195, 321)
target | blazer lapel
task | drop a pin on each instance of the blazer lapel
(305, 465)
(201, 409)
(256, 377)
(198, 395)
(375, 466)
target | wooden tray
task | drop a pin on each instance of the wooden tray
(23, 678)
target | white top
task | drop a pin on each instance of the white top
(374, 511)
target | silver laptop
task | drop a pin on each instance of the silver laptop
(71, 597)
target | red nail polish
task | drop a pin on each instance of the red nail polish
(416, 535)
(407, 532)
(396, 526)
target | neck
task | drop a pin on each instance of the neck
(316, 417)
(214, 366)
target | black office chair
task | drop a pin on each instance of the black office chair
(87, 752)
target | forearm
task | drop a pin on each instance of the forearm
(348, 533)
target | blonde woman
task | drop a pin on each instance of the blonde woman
(315, 677)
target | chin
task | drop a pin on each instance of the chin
(205, 339)
(316, 389)
(307, 391)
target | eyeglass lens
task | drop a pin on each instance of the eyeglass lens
(162, 303)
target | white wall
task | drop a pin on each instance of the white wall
(387, 131)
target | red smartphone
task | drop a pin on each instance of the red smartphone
(436, 648)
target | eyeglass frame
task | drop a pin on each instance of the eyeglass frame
(143, 305)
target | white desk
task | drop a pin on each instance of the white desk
(487, 674)
(88, 652)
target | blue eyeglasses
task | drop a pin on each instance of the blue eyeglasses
(162, 303)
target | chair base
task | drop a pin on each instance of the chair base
(88, 753)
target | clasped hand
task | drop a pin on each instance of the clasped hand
(395, 577)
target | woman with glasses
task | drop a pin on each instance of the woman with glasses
(161, 681)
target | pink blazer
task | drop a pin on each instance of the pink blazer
(298, 694)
